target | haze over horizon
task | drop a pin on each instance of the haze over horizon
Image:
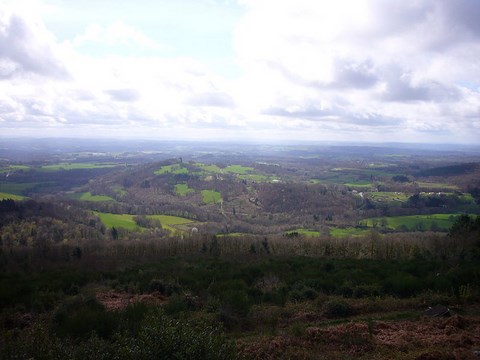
(369, 70)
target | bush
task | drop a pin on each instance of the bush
(337, 308)
(81, 316)
(159, 337)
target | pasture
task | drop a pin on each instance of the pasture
(303, 232)
(412, 222)
(170, 222)
(183, 189)
(211, 196)
(347, 232)
(16, 188)
(174, 169)
(125, 221)
(88, 196)
(6, 196)
(76, 166)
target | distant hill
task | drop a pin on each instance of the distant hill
(451, 170)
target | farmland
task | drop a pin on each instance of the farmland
(76, 166)
(211, 197)
(117, 220)
(4, 196)
(412, 223)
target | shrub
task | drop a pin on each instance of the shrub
(337, 308)
(81, 316)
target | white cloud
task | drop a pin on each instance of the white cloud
(117, 34)
(334, 70)
(364, 63)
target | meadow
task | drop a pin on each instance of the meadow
(170, 222)
(211, 196)
(125, 221)
(413, 222)
(6, 196)
(76, 166)
(87, 196)
(183, 189)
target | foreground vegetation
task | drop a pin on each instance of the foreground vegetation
(243, 296)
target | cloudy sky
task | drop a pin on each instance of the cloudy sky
(340, 70)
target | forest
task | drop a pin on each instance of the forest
(200, 251)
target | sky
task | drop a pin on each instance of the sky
(261, 70)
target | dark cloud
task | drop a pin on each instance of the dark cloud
(462, 14)
(23, 51)
(127, 95)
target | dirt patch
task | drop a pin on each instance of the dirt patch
(114, 300)
(453, 338)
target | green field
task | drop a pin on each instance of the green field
(16, 188)
(76, 166)
(127, 221)
(117, 220)
(5, 196)
(170, 222)
(183, 189)
(346, 232)
(359, 184)
(211, 196)
(174, 169)
(254, 177)
(14, 168)
(413, 222)
(87, 196)
(208, 168)
(436, 186)
(304, 232)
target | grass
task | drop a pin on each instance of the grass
(117, 220)
(347, 232)
(233, 234)
(359, 184)
(254, 177)
(87, 196)
(76, 166)
(16, 188)
(14, 168)
(211, 196)
(304, 232)
(5, 196)
(127, 221)
(169, 222)
(413, 222)
(209, 168)
(436, 186)
(183, 189)
(171, 169)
